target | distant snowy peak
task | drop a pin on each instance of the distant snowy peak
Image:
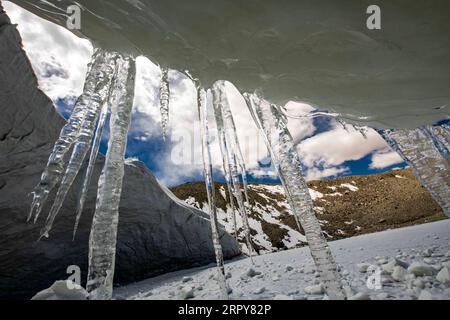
(345, 207)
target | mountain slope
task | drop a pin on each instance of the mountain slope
(346, 207)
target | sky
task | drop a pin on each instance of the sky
(326, 148)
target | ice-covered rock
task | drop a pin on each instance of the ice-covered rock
(398, 273)
(427, 252)
(187, 292)
(418, 283)
(282, 297)
(443, 276)
(62, 290)
(314, 290)
(389, 267)
(259, 290)
(360, 296)
(362, 267)
(425, 295)
(251, 273)
(420, 269)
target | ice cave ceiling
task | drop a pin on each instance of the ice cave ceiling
(315, 51)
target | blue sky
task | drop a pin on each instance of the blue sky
(327, 149)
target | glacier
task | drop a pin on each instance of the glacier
(319, 52)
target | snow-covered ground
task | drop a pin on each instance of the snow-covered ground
(286, 274)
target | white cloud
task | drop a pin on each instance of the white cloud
(317, 174)
(384, 159)
(336, 146)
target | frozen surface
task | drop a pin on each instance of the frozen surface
(289, 272)
(316, 51)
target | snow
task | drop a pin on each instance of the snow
(349, 186)
(315, 194)
(62, 290)
(406, 244)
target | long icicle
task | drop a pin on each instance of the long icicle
(103, 237)
(164, 99)
(104, 71)
(272, 124)
(227, 174)
(227, 132)
(69, 133)
(210, 189)
(90, 169)
(428, 164)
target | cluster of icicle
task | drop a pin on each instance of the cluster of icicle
(109, 84)
(272, 124)
(232, 159)
(78, 132)
(426, 151)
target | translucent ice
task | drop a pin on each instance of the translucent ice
(231, 151)
(272, 124)
(69, 134)
(104, 71)
(103, 238)
(210, 190)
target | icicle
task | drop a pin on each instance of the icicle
(272, 124)
(90, 169)
(430, 167)
(440, 137)
(69, 133)
(229, 188)
(103, 237)
(164, 97)
(104, 73)
(210, 190)
(231, 150)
